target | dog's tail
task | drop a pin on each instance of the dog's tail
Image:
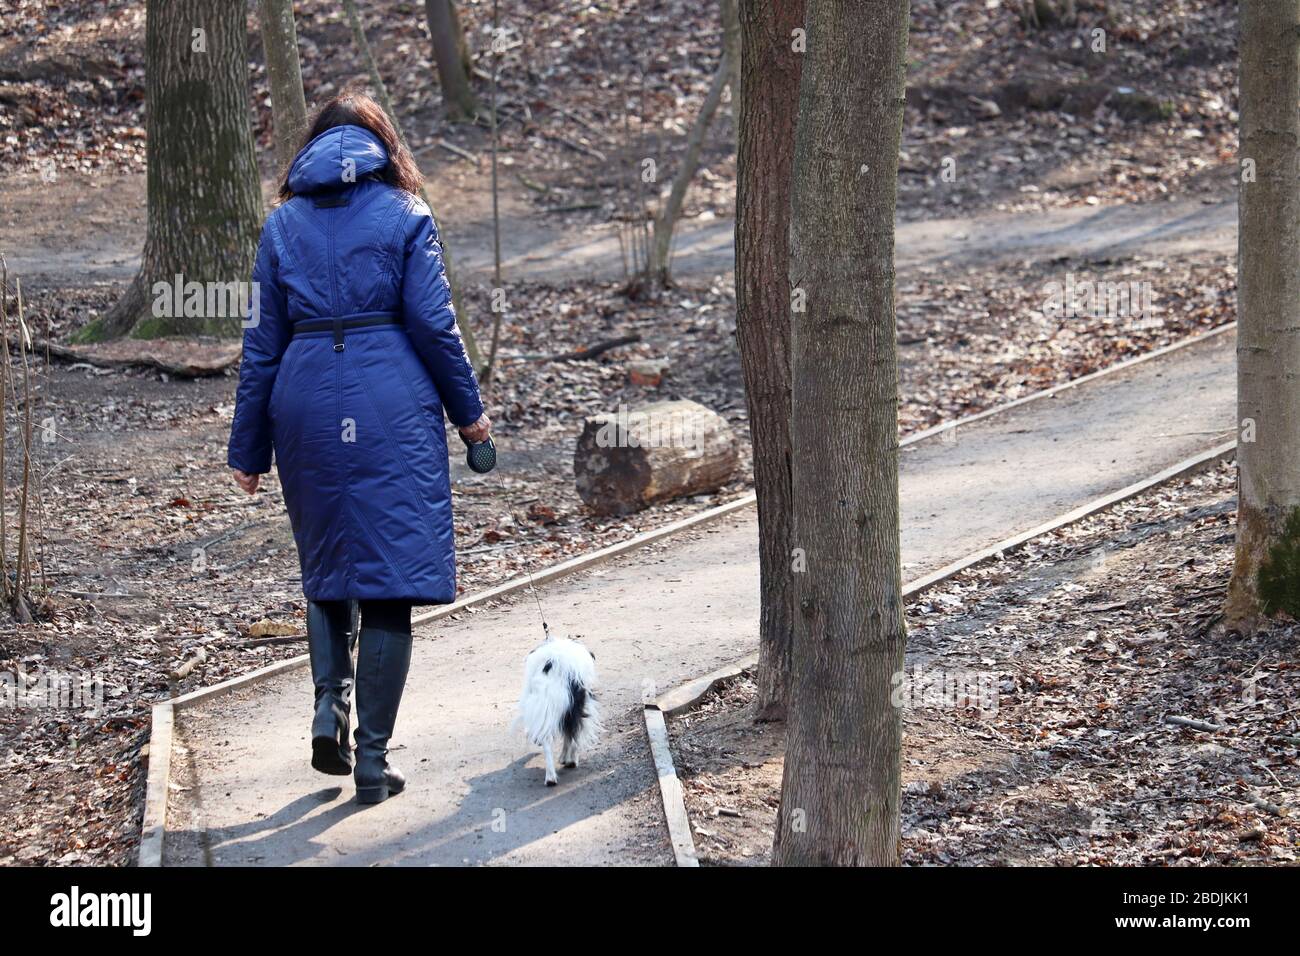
(571, 723)
(581, 720)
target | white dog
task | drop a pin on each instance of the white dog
(559, 701)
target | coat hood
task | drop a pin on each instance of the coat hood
(335, 159)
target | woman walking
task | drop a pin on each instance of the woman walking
(350, 357)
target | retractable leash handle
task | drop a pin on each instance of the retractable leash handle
(481, 456)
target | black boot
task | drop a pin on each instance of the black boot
(382, 662)
(331, 635)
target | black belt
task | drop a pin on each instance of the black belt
(338, 323)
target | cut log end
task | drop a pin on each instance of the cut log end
(628, 460)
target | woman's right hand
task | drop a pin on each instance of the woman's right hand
(479, 431)
(246, 481)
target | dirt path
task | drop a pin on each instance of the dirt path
(107, 215)
(655, 618)
(1087, 232)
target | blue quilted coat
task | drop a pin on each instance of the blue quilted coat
(354, 408)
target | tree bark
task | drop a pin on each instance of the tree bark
(1043, 13)
(664, 450)
(764, 154)
(657, 268)
(731, 49)
(284, 76)
(498, 310)
(5, 593)
(1266, 576)
(462, 41)
(448, 53)
(204, 195)
(840, 791)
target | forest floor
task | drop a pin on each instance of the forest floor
(1030, 119)
(152, 557)
(1035, 702)
(999, 118)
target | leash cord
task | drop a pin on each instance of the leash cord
(540, 613)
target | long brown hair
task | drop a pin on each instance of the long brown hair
(354, 108)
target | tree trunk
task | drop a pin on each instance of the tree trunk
(840, 791)
(284, 76)
(764, 153)
(381, 91)
(1266, 571)
(1044, 13)
(204, 195)
(462, 41)
(5, 593)
(498, 309)
(453, 70)
(372, 68)
(731, 50)
(665, 450)
(666, 221)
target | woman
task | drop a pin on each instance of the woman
(348, 365)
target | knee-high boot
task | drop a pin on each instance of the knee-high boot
(331, 635)
(383, 658)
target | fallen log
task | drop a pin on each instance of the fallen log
(457, 151)
(586, 352)
(599, 348)
(630, 459)
(283, 639)
(185, 669)
(575, 145)
(181, 358)
(1191, 724)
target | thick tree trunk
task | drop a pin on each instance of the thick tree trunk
(449, 54)
(1266, 572)
(284, 76)
(462, 41)
(764, 153)
(840, 790)
(661, 247)
(665, 450)
(204, 198)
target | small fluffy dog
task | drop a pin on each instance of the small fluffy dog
(559, 701)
